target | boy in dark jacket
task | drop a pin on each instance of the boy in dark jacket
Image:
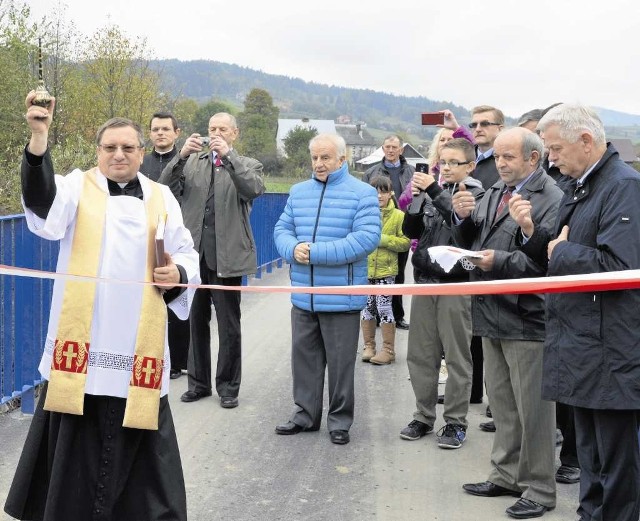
(440, 323)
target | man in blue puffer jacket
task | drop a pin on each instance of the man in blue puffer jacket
(328, 227)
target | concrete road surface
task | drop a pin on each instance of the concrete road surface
(236, 467)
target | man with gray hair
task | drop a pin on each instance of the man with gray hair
(216, 187)
(328, 227)
(512, 327)
(592, 352)
(529, 120)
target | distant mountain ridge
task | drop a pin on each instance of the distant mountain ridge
(206, 79)
(297, 98)
(614, 118)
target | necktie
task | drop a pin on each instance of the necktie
(217, 161)
(504, 200)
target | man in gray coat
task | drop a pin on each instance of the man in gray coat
(512, 326)
(592, 351)
(215, 188)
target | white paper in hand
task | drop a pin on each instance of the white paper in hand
(448, 256)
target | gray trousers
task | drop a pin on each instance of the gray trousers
(319, 341)
(523, 454)
(440, 324)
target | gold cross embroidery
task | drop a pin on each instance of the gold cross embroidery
(69, 355)
(148, 370)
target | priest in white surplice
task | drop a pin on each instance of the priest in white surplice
(102, 443)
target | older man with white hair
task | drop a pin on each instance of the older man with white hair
(592, 349)
(329, 226)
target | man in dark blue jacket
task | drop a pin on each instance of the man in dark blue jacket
(592, 349)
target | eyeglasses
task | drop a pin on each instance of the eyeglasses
(483, 124)
(126, 149)
(453, 163)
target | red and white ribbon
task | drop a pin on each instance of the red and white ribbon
(610, 281)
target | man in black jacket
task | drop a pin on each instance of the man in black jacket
(441, 324)
(512, 327)
(395, 167)
(163, 133)
(592, 356)
(486, 123)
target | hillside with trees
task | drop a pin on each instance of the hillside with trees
(110, 73)
(202, 80)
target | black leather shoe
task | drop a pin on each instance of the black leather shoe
(567, 475)
(194, 396)
(488, 427)
(441, 398)
(401, 324)
(525, 509)
(175, 373)
(228, 402)
(488, 489)
(339, 437)
(289, 428)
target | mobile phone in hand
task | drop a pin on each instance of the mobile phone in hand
(433, 118)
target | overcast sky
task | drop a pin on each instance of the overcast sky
(516, 55)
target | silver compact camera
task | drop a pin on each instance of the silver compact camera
(205, 140)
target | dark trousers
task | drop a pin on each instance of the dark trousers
(396, 300)
(607, 443)
(227, 306)
(477, 378)
(566, 424)
(319, 341)
(178, 332)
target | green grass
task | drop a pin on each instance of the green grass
(280, 185)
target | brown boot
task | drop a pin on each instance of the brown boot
(369, 336)
(388, 353)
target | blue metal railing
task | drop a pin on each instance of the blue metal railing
(24, 309)
(24, 302)
(264, 215)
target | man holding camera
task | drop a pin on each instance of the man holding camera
(215, 188)
(395, 167)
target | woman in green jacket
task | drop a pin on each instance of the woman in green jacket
(383, 267)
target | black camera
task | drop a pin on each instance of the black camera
(423, 168)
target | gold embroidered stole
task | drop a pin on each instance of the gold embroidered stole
(71, 352)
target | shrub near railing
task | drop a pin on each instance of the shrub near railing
(25, 302)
